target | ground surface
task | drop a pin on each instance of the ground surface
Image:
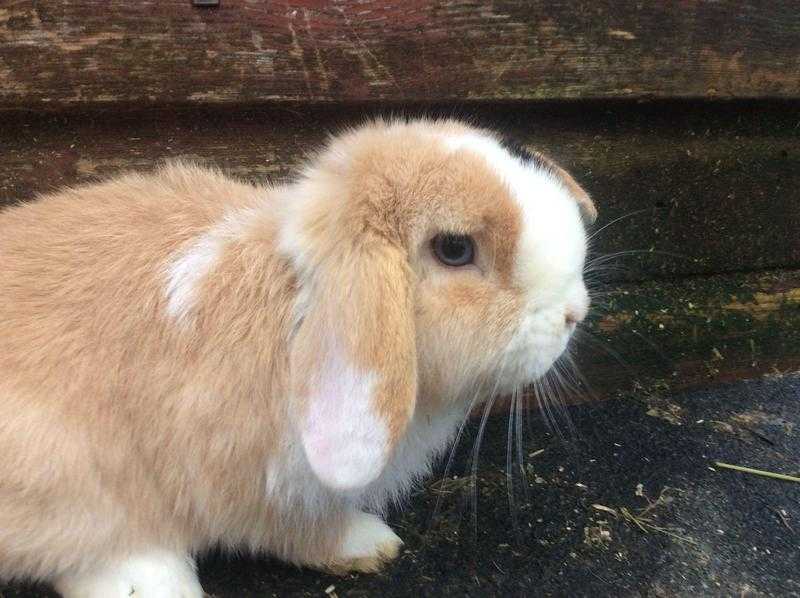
(630, 505)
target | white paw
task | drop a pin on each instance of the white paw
(367, 546)
(157, 574)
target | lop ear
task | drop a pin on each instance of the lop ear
(353, 360)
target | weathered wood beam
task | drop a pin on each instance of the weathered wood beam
(57, 54)
(718, 185)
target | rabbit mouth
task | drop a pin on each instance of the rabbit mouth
(532, 351)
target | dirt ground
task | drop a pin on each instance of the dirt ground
(628, 504)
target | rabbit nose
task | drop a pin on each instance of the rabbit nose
(576, 307)
(574, 315)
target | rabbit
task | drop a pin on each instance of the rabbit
(188, 361)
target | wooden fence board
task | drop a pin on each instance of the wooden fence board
(57, 54)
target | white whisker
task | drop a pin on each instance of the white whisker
(623, 217)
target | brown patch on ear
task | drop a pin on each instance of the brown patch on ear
(581, 196)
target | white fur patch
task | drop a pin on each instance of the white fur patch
(345, 441)
(190, 266)
(157, 574)
(368, 537)
(186, 272)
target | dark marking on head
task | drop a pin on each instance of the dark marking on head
(542, 162)
(520, 151)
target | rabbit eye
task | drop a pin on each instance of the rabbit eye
(454, 250)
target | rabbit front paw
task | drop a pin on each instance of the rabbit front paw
(367, 546)
(156, 574)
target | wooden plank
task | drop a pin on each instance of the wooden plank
(719, 185)
(56, 54)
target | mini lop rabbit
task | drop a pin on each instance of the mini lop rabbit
(188, 361)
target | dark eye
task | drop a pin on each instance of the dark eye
(454, 250)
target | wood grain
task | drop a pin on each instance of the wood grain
(59, 54)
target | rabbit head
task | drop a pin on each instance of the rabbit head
(432, 257)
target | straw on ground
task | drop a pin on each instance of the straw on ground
(761, 472)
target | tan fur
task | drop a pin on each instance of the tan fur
(372, 226)
(119, 430)
(122, 429)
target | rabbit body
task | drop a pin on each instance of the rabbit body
(155, 335)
